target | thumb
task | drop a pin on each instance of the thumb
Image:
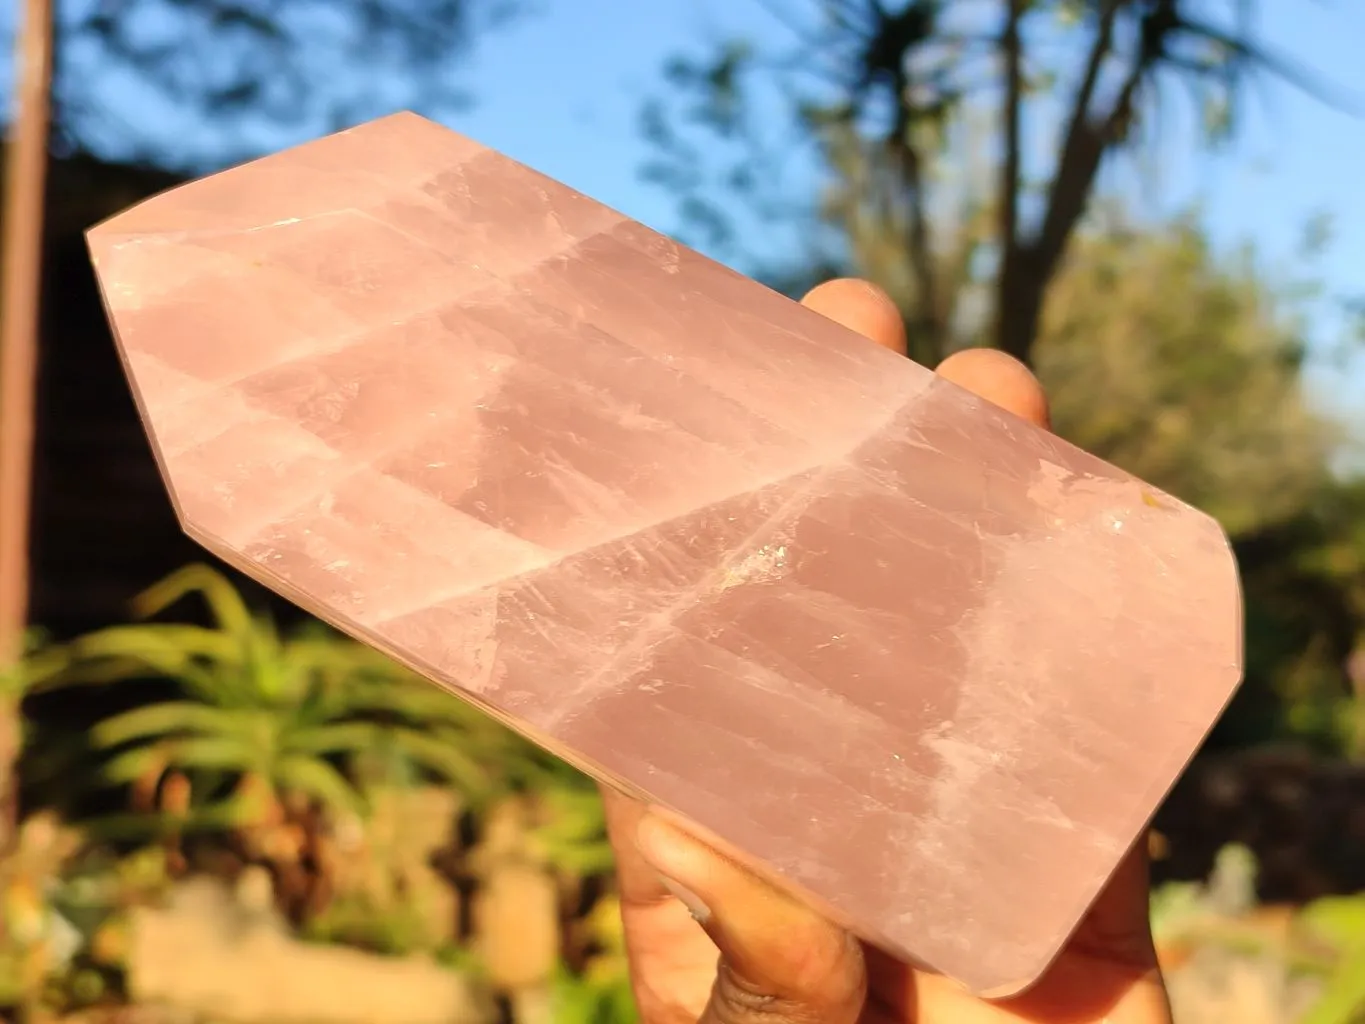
(780, 962)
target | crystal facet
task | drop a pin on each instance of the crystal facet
(921, 661)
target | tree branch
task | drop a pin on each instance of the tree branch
(1033, 264)
(1010, 170)
(1089, 137)
(926, 323)
(1014, 96)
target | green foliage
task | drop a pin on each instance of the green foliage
(594, 999)
(246, 729)
(39, 942)
(400, 930)
(573, 834)
(1340, 922)
(1325, 943)
(890, 103)
(601, 993)
(1305, 596)
(1197, 359)
(259, 718)
(39, 664)
(1179, 908)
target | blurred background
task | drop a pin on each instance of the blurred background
(212, 809)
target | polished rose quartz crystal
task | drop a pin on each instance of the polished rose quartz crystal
(903, 652)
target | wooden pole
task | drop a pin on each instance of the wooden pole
(25, 183)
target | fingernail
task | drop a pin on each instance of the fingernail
(700, 912)
(667, 850)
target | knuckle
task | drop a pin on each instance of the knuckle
(819, 997)
(736, 1000)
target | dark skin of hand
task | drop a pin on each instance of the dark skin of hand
(711, 942)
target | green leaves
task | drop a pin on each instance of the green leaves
(1343, 1001)
(441, 756)
(122, 653)
(193, 754)
(170, 719)
(574, 836)
(38, 666)
(1340, 921)
(294, 713)
(317, 779)
(1325, 943)
(258, 739)
(225, 604)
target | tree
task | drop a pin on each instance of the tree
(1198, 356)
(193, 84)
(891, 99)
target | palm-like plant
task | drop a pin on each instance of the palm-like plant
(261, 719)
(39, 663)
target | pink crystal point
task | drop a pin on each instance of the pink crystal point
(921, 661)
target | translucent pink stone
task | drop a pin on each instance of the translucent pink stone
(921, 661)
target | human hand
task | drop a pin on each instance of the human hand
(718, 945)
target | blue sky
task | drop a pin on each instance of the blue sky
(561, 90)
